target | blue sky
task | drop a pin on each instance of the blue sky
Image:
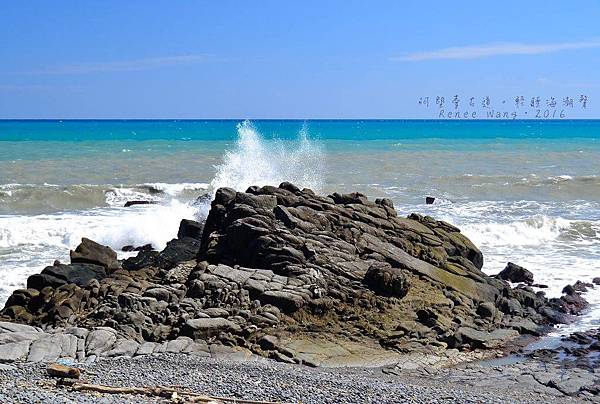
(302, 59)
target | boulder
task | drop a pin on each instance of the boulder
(515, 273)
(55, 276)
(90, 252)
(178, 250)
(386, 280)
(203, 328)
(190, 228)
(100, 340)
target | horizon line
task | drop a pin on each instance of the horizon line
(299, 119)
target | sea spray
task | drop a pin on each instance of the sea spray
(257, 161)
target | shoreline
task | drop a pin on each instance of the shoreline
(279, 382)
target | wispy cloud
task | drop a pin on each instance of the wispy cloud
(497, 49)
(123, 66)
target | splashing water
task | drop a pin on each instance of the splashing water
(257, 161)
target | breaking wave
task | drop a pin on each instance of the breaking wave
(258, 161)
(50, 198)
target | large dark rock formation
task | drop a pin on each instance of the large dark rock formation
(284, 261)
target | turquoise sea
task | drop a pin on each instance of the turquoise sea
(524, 191)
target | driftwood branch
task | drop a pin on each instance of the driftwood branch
(156, 391)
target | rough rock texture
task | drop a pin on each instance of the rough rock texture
(293, 266)
(90, 252)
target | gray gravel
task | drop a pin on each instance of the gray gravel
(258, 380)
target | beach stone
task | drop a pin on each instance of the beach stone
(387, 280)
(52, 347)
(179, 344)
(178, 250)
(525, 326)
(268, 342)
(146, 348)
(99, 340)
(122, 347)
(487, 309)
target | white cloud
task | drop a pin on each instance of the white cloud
(122, 66)
(497, 49)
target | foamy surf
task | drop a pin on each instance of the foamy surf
(28, 243)
(257, 161)
(559, 251)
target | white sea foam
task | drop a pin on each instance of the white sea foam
(28, 243)
(257, 161)
(531, 232)
(154, 224)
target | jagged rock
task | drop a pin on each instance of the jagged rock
(190, 228)
(55, 276)
(142, 260)
(122, 347)
(516, 273)
(286, 301)
(90, 252)
(178, 250)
